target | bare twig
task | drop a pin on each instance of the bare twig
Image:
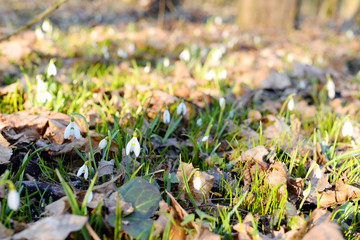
(35, 20)
(92, 232)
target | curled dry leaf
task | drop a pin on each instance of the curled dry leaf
(277, 176)
(57, 208)
(207, 182)
(324, 231)
(53, 228)
(276, 81)
(111, 201)
(106, 167)
(5, 150)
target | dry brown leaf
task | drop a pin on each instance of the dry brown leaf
(111, 203)
(324, 231)
(5, 150)
(5, 232)
(276, 81)
(53, 228)
(278, 175)
(106, 167)
(57, 208)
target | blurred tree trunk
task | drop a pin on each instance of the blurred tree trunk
(158, 7)
(266, 14)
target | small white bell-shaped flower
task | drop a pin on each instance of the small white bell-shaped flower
(222, 74)
(222, 103)
(205, 138)
(185, 55)
(181, 109)
(291, 105)
(103, 143)
(51, 70)
(210, 75)
(347, 129)
(197, 182)
(13, 200)
(330, 87)
(42, 95)
(83, 170)
(166, 117)
(199, 122)
(90, 198)
(133, 146)
(72, 130)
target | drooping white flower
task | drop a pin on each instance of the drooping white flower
(166, 62)
(218, 20)
(51, 70)
(13, 200)
(347, 129)
(181, 109)
(105, 52)
(306, 192)
(103, 143)
(47, 26)
(42, 95)
(330, 87)
(39, 33)
(197, 182)
(222, 74)
(72, 130)
(166, 117)
(210, 75)
(291, 104)
(147, 68)
(185, 55)
(199, 122)
(133, 146)
(121, 53)
(205, 138)
(83, 170)
(222, 103)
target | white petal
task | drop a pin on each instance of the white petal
(86, 174)
(13, 199)
(77, 132)
(91, 195)
(51, 71)
(67, 131)
(81, 170)
(205, 138)
(291, 105)
(136, 147)
(197, 183)
(317, 172)
(128, 147)
(103, 143)
(222, 103)
(166, 117)
(199, 122)
(179, 109)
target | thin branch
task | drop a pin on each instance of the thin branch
(35, 20)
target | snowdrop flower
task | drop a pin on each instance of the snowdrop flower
(216, 56)
(166, 62)
(72, 130)
(133, 146)
(222, 74)
(291, 104)
(222, 103)
(83, 170)
(166, 117)
(205, 138)
(13, 200)
(39, 33)
(210, 75)
(51, 70)
(330, 87)
(218, 20)
(347, 129)
(131, 48)
(307, 191)
(317, 171)
(42, 95)
(121, 53)
(181, 109)
(147, 69)
(199, 122)
(185, 55)
(197, 182)
(47, 26)
(103, 143)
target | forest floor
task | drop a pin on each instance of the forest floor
(259, 140)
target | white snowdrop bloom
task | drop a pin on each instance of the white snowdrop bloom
(39, 33)
(103, 143)
(330, 87)
(166, 62)
(218, 20)
(222, 103)
(185, 55)
(47, 26)
(302, 84)
(133, 146)
(290, 57)
(349, 34)
(13, 199)
(121, 53)
(147, 69)
(317, 171)
(216, 56)
(197, 182)
(131, 48)
(353, 145)
(347, 129)
(42, 95)
(83, 170)
(90, 197)
(291, 105)
(72, 130)
(51, 70)
(306, 192)
(181, 109)
(205, 138)
(199, 122)
(203, 52)
(210, 75)
(105, 52)
(222, 74)
(166, 117)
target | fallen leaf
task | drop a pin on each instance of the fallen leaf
(324, 231)
(106, 167)
(276, 81)
(5, 150)
(53, 228)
